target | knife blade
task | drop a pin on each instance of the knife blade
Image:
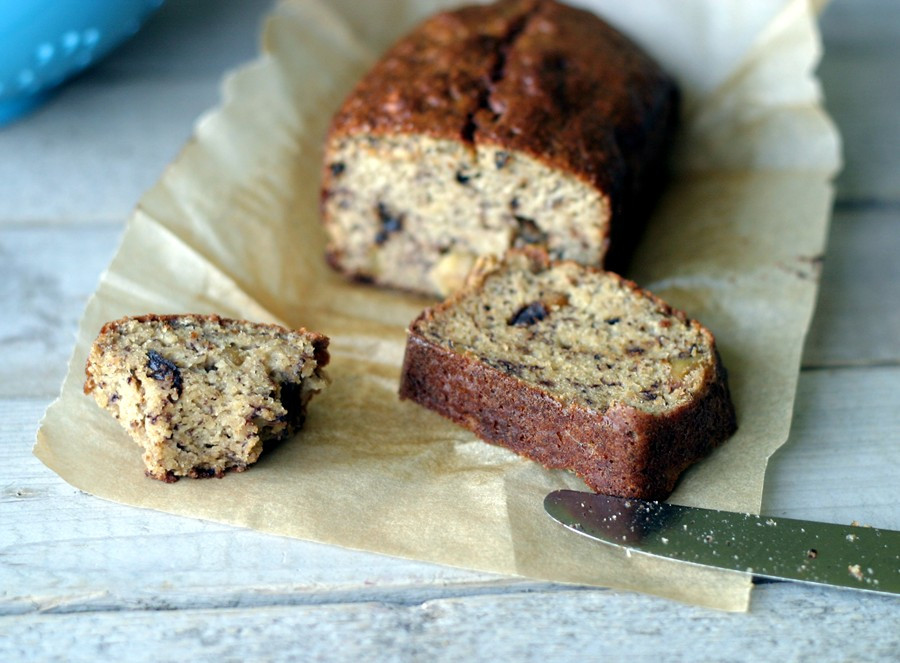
(849, 556)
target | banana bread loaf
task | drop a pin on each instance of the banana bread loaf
(204, 394)
(525, 122)
(574, 368)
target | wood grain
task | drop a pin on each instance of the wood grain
(857, 318)
(47, 273)
(788, 623)
(861, 83)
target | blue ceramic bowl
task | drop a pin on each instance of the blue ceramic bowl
(44, 42)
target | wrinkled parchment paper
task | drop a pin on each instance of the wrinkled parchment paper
(232, 228)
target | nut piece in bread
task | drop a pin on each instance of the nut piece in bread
(202, 394)
(521, 123)
(574, 368)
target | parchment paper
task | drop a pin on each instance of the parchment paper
(232, 228)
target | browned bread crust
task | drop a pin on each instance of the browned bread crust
(534, 77)
(616, 448)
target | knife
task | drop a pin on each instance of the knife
(850, 556)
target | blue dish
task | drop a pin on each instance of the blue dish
(44, 42)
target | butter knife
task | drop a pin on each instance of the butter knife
(863, 558)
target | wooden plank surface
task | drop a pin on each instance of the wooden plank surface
(47, 272)
(565, 624)
(82, 578)
(857, 318)
(861, 82)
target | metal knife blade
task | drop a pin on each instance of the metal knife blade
(862, 558)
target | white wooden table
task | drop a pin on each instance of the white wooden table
(81, 578)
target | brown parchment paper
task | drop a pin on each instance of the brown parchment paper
(232, 228)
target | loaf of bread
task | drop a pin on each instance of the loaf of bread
(574, 368)
(525, 122)
(202, 394)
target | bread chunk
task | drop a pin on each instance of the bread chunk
(574, 368)
(202, 394)
(522, 123)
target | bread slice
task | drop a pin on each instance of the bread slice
(574, 368)
(202, 394)
(519, 123)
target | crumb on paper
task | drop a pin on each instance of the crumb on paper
(852, 537)
(855, 571)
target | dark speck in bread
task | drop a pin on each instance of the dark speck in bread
(529, 314)
(164, 370)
